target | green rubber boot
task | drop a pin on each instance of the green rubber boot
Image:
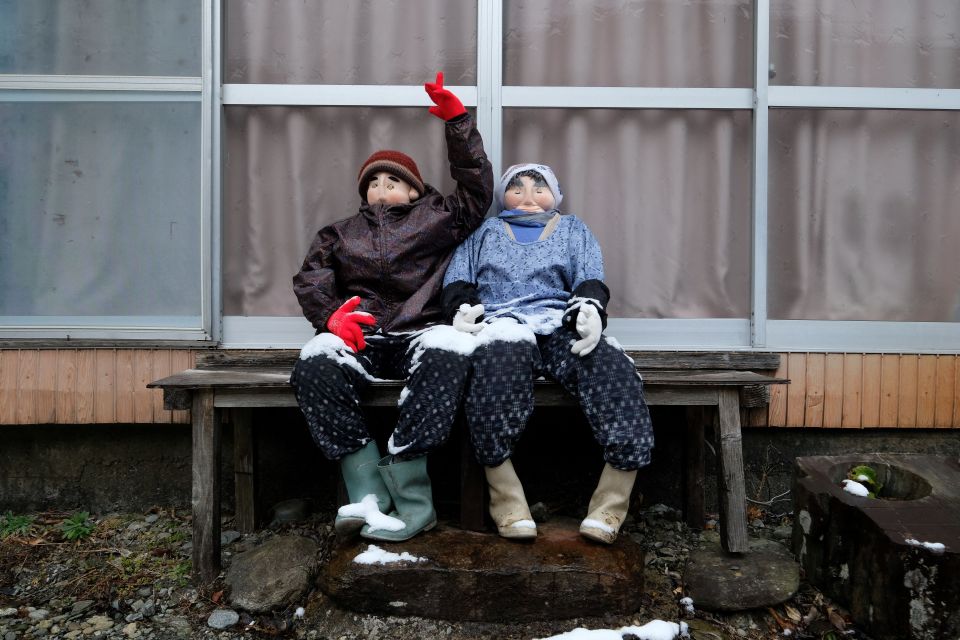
(360, 474)
(412, 495)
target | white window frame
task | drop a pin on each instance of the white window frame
(113, 89)
(490, 97)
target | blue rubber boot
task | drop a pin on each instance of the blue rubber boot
(412, 496)
(362, 478)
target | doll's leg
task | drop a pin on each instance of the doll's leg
(610, 393)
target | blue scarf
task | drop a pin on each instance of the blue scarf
(527, 226)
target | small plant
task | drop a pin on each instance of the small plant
(77, 526)
(866, 476)
(181, 573)
(11, 525)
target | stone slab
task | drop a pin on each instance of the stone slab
(764, 576)
(482, 577)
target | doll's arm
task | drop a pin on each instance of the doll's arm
(316, 283)
(588, 287)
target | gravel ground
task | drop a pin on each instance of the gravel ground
(129, 578)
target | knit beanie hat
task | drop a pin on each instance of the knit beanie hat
(542, 169)
(399, 164)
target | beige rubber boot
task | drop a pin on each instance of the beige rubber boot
(508, 505)
(608, 506)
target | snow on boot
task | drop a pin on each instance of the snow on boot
(608, 505)
(412, 496)
(361, 477)
(508, 504)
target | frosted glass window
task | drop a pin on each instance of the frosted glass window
(100, 37)
(355, 42)
(863, 215)
(290, 171)
(869, 43)
(627, 43)
(100, 209)
(666, 192)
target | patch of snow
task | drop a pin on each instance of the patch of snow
(862, 478)
(446, 338)
(397, 603)
(687, 604)
(505, 330)
(596, 524)
(653, 630)
(332, 347)
(299, 613)
(394, 449)
(524, 524)
(933, 547)
(854, 487)
(368, 510)
(376, 555)
(403, 396)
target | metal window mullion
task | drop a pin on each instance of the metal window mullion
(338, 95)
(864, 98)
(490, 78)
(24, 82)
(209, 158)
(628, 97)
(760, 166)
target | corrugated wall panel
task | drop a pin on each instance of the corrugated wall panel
(87, 386)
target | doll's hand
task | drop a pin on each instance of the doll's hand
(466, 318)
(345, 323)
(448, 106)
(590, 328)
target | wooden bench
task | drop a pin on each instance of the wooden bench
(240, 381)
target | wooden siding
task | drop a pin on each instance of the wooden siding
(86, 386)
(833, 390)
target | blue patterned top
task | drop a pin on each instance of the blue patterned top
(530, 282)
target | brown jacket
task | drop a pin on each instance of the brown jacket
(394, 256)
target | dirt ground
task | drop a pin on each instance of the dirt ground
(128, 576)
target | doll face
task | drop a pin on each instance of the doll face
(529, 197)
(386, 188)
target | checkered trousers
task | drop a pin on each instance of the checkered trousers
(328, 391)
(500, 397)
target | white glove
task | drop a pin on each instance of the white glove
(466, 318)
(590, 328)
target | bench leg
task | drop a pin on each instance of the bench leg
(732, 492)
(473, 485)
(243, 470)
(693, 477)
(206, 487)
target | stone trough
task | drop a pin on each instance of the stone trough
(869, 554)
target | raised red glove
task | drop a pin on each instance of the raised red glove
(345, 323)
(448, 106)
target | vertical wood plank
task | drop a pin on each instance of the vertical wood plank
(732, 490)
(66, 386)
(907, 406)
(797, 389)
(180, 360)
(9, 370)
(777, 411)
(161, 369)
(833, 390)
(124, 386)
(105, 392)
(852, 389)
(27, 387)
(206, 488)
(814, 403)
(870, 400)
(889, 389)
(244, 470)
(943, 411)
(956, 392)
(694, 505)
(926, 390)
(47, 387)
(86, 381)
(143, 397)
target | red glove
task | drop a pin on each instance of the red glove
(448, 105)
(345, 323)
